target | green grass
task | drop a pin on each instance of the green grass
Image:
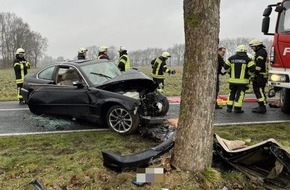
(74, 160)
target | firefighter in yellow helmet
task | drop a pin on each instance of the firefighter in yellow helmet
(159, 68)
(124, 60)
(240, 68)
(20, 67)
(261, 74)
(103, 53)
(82, 53)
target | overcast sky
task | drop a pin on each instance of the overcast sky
(135, 24)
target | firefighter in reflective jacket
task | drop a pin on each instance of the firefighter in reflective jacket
(123, 61)
(261, 74)
(241, 68)
(20, 68)
(103, 53)
(159, 67)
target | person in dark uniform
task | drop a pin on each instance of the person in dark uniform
(82, 53)
(103, 53)
(261, 74)
(159, 68)
(221, 63)
(20, 68)
(241, 68)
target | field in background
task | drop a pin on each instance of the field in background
(172, 83)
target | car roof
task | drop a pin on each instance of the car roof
(82, 62)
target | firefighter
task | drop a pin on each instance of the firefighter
(240, 68)
(20, 68)
(103, 53)
(159, 68)
(261, 74)
(123, 61)
(82, 53)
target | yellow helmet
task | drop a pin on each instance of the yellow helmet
(20, 51)
(83, 50)
(241, 48)
(103, 49)
(165, 54)
(255, 42)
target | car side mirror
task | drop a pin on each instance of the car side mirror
(78, 84)
(267, 11)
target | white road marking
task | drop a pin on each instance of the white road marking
(251, 123)
(52, 132)
(15, 109)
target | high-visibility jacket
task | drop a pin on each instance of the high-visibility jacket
(240, 67)
(159, 67)
(20, 68)
(124, 62)
(261, 60)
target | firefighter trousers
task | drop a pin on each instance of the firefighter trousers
(236, 97)
(259, 84)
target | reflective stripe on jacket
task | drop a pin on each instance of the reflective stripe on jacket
(159, 67)
(124, 60)
(240, 67)
(20, 69)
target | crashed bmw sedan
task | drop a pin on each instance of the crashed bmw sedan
(97, 91)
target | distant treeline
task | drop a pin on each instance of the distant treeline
(14, 33)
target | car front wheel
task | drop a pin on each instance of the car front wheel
(121, 121)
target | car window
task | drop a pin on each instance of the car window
(67, 75)
(99, 73)
(46, 73)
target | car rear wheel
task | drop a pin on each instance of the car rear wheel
(121, 121)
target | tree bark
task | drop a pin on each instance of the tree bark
(194, 139)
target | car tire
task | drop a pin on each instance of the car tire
(120, 120)
(165, 105)
(285, 100)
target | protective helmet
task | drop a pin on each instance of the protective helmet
(165, 54)
(103, 49)
(241, 48)
(255, 42)
(122, 48)
(83, 50)
(20, 51)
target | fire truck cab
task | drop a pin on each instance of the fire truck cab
(279, 73)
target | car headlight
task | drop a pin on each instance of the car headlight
(278, 78)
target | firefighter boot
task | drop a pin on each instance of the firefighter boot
(238, 110)
(260, 109)
(229, 108)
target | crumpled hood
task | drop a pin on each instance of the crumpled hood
(132, 79)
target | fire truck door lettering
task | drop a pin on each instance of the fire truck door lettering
(286, 50)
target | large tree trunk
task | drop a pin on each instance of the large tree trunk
(194, 139)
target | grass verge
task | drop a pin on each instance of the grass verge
(74, 160)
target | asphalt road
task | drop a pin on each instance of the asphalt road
(17, 119)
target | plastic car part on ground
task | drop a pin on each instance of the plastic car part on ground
(142, 159)
(266, 162)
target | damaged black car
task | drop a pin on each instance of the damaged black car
(95, 90)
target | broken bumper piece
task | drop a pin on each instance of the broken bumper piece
(139, 160)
